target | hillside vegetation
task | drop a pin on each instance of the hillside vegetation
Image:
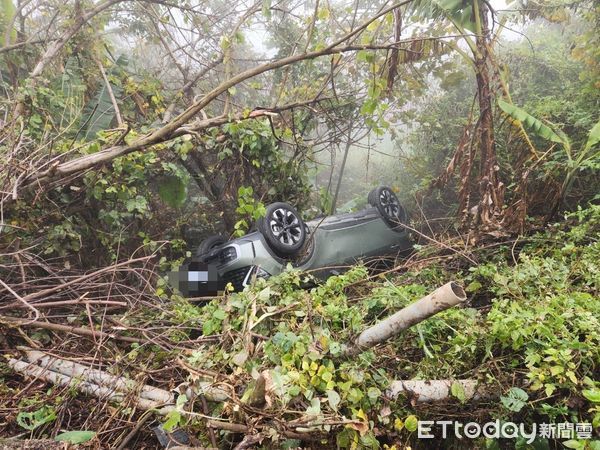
(132, 130)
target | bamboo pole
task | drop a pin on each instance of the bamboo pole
(444, 297)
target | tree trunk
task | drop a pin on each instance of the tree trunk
(341, 176)
(491, 190)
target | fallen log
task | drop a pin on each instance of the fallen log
(104, 385)
(444, 297)
(108, 393)
(95, 376)
(423, 391)
(33, 370)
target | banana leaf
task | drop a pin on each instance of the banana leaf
(533, 124)
(98, 113)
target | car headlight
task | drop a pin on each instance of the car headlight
(256, 272)
(228, 254)
(261, 273)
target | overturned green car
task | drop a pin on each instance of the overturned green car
(322, 245)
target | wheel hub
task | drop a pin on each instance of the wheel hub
(390, 204)
(285, 226)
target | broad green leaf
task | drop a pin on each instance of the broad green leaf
(181, 400)
(450, 5)
(474, 286)
(411, 423)
(219, 314)
(73, 88)
(458, 391)
(368, 107)
(515, 399)
(534, 125)
(594, 136)
(593, 395)
(75, 437)
(459, 12)
(373, 393)
(334, 399)
(315, 407)
(99, 113)
(31, 420)
(173, 419)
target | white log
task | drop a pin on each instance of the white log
(99, 377)
(432, 390)
(33, 370)
(84, 379)
(442, 298)
(116, 383)
(211, 392)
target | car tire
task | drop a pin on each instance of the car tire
(371, 198)
(283, 229)
(209, 243)
(389, 207)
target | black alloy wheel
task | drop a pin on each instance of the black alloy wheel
(283, 229)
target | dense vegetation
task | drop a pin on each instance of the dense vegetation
(131, 130)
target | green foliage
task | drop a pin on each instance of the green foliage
(99, 113)
(515, 399)
(32, 420)
(531, 123)
(544, 80)
(593, 395)
(540, 319)
(175, 418)
(62, 239)
(374, 107)
(75, 437)
(584, 158)
(459, 11)
(249, 210)
(325, 201)
(251, 146)
(546, 307)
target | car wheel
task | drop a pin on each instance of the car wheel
(283, 229)
(371, 198)
(388, 205)
(209, 243)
